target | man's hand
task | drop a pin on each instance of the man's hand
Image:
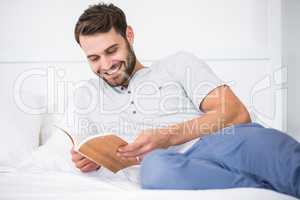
(145, 142)
(83, 163)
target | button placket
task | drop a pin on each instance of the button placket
(132, 103)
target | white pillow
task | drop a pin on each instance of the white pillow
(19, 133)
(19, 130)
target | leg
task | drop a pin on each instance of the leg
(165, 169)
(270, 155)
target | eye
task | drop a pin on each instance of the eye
(111, 51)
(93, 59)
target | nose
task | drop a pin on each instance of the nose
(103, 65)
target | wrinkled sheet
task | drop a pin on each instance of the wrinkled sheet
(62, 185)
(48, 173)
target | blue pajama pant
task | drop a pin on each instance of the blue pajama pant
(245, 155)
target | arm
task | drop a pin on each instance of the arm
(221, 109)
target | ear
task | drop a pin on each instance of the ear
(130, 35)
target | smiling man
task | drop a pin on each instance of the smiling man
(111, 56)
(196, 133)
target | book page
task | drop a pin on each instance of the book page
(68, 134)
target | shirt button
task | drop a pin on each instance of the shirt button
(159, 87)
(132, 102)
(134, 112)
(129, 91)
(122, 88)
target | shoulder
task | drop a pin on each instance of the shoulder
(180, 56)
(182, 59)
(177, 63)
(185, 55)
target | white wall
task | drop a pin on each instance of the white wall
(240, 39)
(291, 59)
(43, 30)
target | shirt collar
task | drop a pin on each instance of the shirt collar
(138, 73)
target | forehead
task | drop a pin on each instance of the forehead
(99, 42)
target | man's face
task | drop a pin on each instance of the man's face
(110, 56)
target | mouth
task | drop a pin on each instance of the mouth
(114, 69)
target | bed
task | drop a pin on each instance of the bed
(36, 165)
(62, 185)
(48, 173)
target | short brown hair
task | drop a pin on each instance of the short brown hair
(100, 18)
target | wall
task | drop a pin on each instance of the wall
(240, 39)
(291, 59)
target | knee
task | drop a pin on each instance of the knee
(154, 168)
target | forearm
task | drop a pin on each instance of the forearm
(221, 109)
(204, 125)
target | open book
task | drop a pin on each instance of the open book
(102, 150)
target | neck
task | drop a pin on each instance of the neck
(137, 67)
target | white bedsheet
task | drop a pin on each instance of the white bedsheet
(50, 174)
(64, 185)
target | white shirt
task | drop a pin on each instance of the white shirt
(168, 92)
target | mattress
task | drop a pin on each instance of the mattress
(64, 185)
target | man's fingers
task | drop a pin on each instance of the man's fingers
(89, 167)
(132, 159)
(138, 156)
(130, 147)
(77, 157)
(82, 163)
(138, 152)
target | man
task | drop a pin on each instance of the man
(182, 93)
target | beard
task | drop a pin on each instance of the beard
(128, 64)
